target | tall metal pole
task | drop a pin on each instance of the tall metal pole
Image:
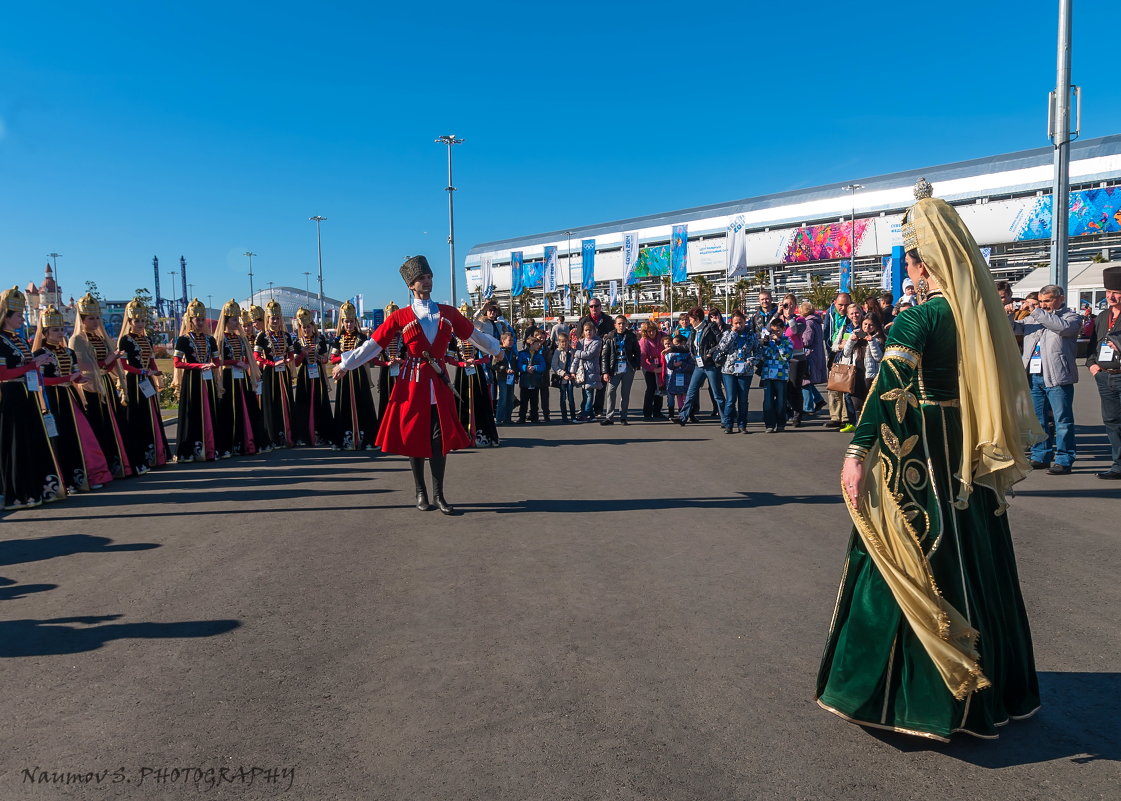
(319, 246)
(250, 254)
(307, 283)
(449, 140)
(54, 261)
(1061, 137)
(852, 233)
(173, 305)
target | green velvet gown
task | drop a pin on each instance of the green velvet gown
(875, 671)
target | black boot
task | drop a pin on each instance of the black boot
(438, 462)
(422, 503)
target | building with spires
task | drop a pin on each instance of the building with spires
(49, 293)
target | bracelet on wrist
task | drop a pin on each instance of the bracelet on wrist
(857, 452)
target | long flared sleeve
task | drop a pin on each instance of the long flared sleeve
(890, 396)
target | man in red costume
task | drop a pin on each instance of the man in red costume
(421, 420)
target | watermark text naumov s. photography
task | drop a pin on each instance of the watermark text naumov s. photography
(151, 776)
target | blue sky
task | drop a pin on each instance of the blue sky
(205, 129)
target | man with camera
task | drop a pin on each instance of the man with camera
(1105, 367)
(1050, 334)
(705, 339)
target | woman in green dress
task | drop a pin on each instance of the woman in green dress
(929, 635)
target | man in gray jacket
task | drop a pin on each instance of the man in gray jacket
(1050, 335)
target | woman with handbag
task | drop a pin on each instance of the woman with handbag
(844, 376)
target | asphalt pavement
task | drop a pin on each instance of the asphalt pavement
(620, 613)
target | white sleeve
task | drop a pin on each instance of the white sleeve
(485, 342)
(360, 355)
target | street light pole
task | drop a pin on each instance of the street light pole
(852, 232)
(250, 254)
(1060, 133)
(307, 283)
(319, 245)
(450, 140)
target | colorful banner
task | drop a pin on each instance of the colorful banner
(516, 285)
(679, 254)
(630, 257)
(653, 262)
(612, 293)
(568, 298)
(1092, 211)
(532, 273)
(885, 274)
(486, 277)
(361, 304)
(846, 276)
(823, 242)
(588, 264)
(550, 269)
(736, 264)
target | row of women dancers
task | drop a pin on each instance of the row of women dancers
(76, 415)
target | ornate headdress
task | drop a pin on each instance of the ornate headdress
(348, 311)
(390, 308)
(996, 409)
(464, 309)
(272, 309)
(13, 300)
(196, 308)
(88, 306)
(246, 319)
(136, 310)
(414, 269)
(256, 312)
(51, 317)
(304, 317)
(231, 309)
(923, 189)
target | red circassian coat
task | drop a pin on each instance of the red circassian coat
(406, 427)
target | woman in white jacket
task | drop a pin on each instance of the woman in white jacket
(865, 350)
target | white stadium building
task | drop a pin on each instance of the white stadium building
(787, 239)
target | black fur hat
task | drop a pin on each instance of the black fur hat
(415, 268)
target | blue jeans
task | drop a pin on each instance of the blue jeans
(714, 382)
(810, 398)
(735, 400)
(1060, 441)
(774, 403)
(505, 401)
(1109, 388)
(588, 402)
(567, 400)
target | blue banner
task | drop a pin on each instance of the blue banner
(516, 284)
(679, 254)
(532, 273)
(588, 262)
(550, 277)
(846, 276)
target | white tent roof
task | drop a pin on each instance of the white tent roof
(1084, 276)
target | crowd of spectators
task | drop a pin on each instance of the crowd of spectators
(811, 364)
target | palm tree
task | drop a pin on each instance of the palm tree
(703, 289)
(740, 291)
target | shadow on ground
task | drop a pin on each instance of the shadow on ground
(20, 638)
(15, 552)
(1078, 723)
(746, 500)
